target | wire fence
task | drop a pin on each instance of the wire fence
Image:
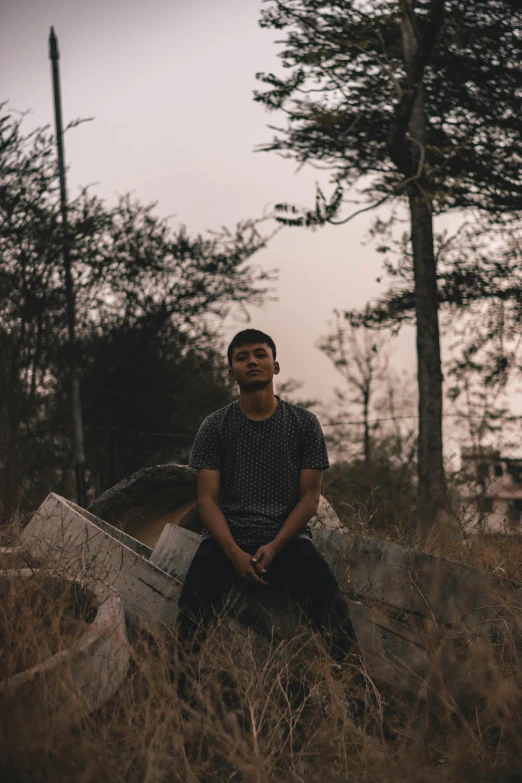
(113, 453)
(373, 479)
(377, 488)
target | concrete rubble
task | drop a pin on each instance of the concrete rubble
(398, 596)
(430, 586)
(79, 544)
(74, 681)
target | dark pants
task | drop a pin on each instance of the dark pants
(298, 568)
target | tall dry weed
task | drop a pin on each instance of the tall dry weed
(248, 708)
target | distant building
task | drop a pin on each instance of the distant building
(491, 491)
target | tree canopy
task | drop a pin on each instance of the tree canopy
(135, 279)
(349, 95)
(416, 101)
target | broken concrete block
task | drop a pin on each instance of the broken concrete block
(325, 517)
(162, 487)
(394, 654)
(144, 503)
(405, 578)
(78, 544)
(137, 546)
(41, 700)
(174, 551)
(177, 546)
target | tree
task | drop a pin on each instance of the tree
(421, 99)
(289, 391)
(378, 493)
(146, 390)
(129, 267)
(480, 409)
(479, 281)
(360, 357)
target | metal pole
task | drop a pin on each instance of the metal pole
(69, 286)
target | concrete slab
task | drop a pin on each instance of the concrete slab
(394, 653)
(62, 535)
(177, 546)
(157, 487)
(151, 498)
(427, 585)
(174, 551)
(120, 535)
(400, 577)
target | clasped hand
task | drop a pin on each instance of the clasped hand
(252, 568)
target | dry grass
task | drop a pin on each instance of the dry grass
(41, 615)
(249, 710)
(502, 555)
(497, 553)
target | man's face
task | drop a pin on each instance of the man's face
(253, 366)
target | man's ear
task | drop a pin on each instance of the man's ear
(276, 368)
(231, 375)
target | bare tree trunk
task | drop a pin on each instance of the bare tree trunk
(431, 488)
(432, 497)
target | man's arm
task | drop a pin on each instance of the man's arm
(209, 482)
(310, 492)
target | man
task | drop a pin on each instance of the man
(260, 461)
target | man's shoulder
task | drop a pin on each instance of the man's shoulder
(301, 415)
(219, 416)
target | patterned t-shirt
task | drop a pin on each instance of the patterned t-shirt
(260, 464)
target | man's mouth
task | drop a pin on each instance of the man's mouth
(250, 372)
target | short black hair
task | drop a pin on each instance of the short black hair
(250, 336)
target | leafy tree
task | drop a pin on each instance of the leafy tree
(420, 100)
(129, 268)
(146, 389)
(479, 280)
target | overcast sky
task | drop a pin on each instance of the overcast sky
(170, 84)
